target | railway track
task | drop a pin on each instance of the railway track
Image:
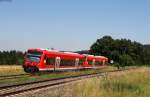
(13, 76)
(15, 89)
(7, 77)
(25, 87)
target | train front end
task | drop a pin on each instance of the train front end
(32, 60)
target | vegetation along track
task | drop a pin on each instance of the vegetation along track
(16, 89)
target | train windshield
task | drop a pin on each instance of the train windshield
(34, 56)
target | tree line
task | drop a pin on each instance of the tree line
(11, 57)
(123, 52)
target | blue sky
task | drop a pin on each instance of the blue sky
(71, 24)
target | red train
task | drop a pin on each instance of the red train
(41, 59)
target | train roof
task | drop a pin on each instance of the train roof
(69, 54)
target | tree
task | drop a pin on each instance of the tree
(122, 51)
(125, 60)
(11, 57)
(102, 46)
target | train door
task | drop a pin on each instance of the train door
(93, 62)
(103, 62)
(57, 63)
(76, 62)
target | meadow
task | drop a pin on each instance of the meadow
(6, 70)
(11, 70)
(128, 83)
(131, 83)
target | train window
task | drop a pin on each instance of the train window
(50, 61)
(67, 62)
(90, 62)
(98, 63)
(81, 62)
(34, 52)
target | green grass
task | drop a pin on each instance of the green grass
(132, 83)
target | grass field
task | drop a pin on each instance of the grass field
(16, 69)
(132, 83)
(11, 70)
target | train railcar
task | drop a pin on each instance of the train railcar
(42, 60)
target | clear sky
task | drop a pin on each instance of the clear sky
(71, 24)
